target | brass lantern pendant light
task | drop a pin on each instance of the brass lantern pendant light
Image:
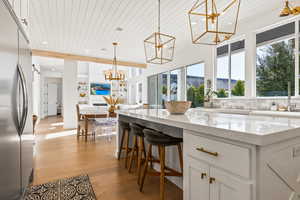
(114, 74)
(289, 9)
(213, 21)
(159, 47)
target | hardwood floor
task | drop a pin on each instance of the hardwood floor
(59, 154)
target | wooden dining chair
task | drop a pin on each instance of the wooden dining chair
(80, 122)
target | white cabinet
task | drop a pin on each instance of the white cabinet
(225, 186)
(196, 183)
(205, 182)
(216, 171)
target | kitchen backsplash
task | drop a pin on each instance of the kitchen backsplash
(253, 104)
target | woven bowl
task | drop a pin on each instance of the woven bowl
(177, 107)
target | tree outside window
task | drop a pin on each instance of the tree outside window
(275, 68)
(195, 84)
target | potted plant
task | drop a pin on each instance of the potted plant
(208, 95)
(112, 102)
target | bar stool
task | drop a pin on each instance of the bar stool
(161, 141)
(138, 148)
(124, 129)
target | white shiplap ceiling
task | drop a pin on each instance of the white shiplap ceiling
(85, 27)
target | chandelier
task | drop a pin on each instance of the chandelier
(159, 47)
(114, 74)
(289, 10)
(212, 22)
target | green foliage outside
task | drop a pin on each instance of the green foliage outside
(196, 95)
(164, 90)
(221, 93)
(238, 89)
(275, 68)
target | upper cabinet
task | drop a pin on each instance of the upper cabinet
(21, 9)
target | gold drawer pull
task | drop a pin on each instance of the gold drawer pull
(203, 175)
(208, 152)
(211, 180)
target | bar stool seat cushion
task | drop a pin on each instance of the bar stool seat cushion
(158, 138)
(124, 125)
(137, 129)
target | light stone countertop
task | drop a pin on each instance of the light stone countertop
(244, 127)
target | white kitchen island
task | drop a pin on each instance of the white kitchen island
(232, 156)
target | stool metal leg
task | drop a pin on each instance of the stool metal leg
(162, 172)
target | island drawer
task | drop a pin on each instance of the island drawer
(233, 158)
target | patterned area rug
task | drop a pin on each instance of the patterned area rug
(74, 188)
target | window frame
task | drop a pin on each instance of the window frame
(229, 54)
(294, 36)
(183, 96)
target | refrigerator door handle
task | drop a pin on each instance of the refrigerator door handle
(25, 100)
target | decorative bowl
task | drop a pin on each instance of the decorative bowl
(178, 107)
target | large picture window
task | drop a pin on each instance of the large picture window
(162, 89)
(174, 85)
(231, 70)
(195, 84)
(275, 65)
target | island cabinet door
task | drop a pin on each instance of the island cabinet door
(224, 186)
(196, 180)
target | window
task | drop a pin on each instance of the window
(176, 84)
(275, 65)
(162, 89)
(231, 70)
(195, 84)
(238, 74)
(152, 90)
(139, 92)
(223, 76)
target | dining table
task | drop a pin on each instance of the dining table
(93, 112)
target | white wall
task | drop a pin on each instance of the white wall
(36, 93)
(70, 93)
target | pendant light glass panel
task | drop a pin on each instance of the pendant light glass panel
(159, 48)
(213, 21)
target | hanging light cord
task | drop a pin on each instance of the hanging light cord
(115, 58)
(159, 16)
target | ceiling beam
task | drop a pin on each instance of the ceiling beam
(52, 54)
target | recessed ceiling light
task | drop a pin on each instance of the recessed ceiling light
(44, 42)
(119, 29)
(194, 23)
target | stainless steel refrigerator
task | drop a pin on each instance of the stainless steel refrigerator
(16, 134)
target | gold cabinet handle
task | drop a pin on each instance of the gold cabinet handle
(211, 180)
(216, 154)
(203, 175)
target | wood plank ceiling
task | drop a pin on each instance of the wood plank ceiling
(88, 27)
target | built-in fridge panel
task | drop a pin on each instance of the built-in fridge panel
(27, 138)
(16, 132)
(9, 138)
